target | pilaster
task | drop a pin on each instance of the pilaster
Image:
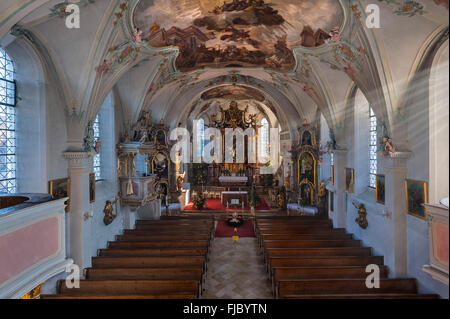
(79, 168)
(396, 243)
(340, 160)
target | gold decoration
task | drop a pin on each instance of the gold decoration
(34, 293)
(108, 210)
(362, 216)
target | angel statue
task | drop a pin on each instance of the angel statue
(362, 216)
(108, 210)
(137, 35)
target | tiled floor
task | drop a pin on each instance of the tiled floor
(236, 271)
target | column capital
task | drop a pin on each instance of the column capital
(396, 161)
(79, 161)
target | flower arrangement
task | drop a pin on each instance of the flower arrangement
(199, 201)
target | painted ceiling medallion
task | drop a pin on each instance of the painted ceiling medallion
(231, 92)
(236, 33)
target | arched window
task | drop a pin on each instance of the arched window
(373, 141)
(439, 126)
(200, 137)
(7, 125)
(97, 157)
(264, 138)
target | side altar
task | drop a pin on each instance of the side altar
(144, 169)
(307, 160)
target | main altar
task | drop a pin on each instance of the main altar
(233, 173)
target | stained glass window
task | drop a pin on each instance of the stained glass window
(7, 125)
(97, 157)
(373, 139)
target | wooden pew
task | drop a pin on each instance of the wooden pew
(296, 273)
(188, 273)
(158, 244)
(326, 236)
(152, 252)
(335, 251)
(165, 232)
(172, 238)
(343, 286)
(150, 262)
(198, 228)
(131, 287)
(364, 296)
(311, 243)
(322, 261)
(134, 297)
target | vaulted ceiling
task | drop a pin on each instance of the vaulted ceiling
(301, 57)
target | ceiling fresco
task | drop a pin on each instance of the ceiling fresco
(231, 92)
(236, 33)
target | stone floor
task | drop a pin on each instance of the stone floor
(236, 271)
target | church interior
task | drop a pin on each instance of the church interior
(224, 149)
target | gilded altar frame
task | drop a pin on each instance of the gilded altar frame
(307, 144)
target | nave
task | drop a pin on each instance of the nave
(290, 258)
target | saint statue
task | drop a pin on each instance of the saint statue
(108, 210)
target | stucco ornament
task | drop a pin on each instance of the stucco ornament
(407, 8)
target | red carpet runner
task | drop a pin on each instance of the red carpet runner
(216, 204)
(246, 230)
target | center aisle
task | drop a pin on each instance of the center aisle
(236, 271)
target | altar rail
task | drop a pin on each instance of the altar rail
(32, 246)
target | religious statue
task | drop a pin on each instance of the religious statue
(335, 35)
(388, 147)
(98, 145)
(108, 210)
(281, 201)
(104, 68)
(89, 139)
(322, 190)
(323, 200)
(137, 35)
(133, 165)
(281, 198)
(180, 181)
(362, 216)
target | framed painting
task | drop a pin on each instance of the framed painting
(380, 190)
(350, 180)
(92, 188)
(416, 196)
(60, 188)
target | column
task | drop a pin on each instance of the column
(340, 160)
(396, 170)
(79, 168)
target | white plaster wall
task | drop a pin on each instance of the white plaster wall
(379, 234)
(439, 126)
(107, 188)
(325, 168)
(418, 256)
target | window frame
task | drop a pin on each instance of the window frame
(373, 148)
(97, 159)
(9, 111)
